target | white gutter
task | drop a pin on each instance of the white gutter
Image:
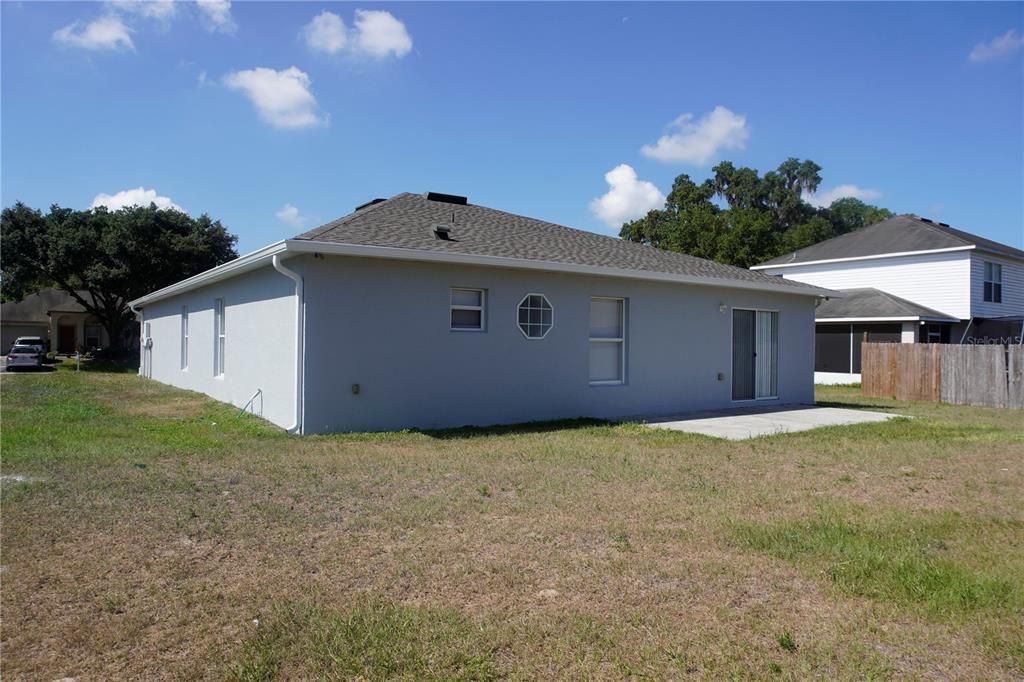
(258, 258)
(851, 259)
(249, 261)
(396, 253)
(296, 426)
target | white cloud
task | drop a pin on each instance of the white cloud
(157, 10)
(376, 34)
(997, 48)
(139, 196)
(201, 78)
(825, 199)
(216, 15)
(290, 216)
(696, 142)
(107, 32)
(627, 197)
(282, 98)
(326, 33)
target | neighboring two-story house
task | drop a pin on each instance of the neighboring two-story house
(907, 279)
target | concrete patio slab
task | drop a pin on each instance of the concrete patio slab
(751, 422)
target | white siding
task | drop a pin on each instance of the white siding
(1013, 287)
(941, 281)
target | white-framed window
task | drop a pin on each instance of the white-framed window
(218, 337)
(184, 337)
(607, 341)
(467, 309)
(993, 283)
(536, 316)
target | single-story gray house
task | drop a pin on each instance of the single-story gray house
(426, 311)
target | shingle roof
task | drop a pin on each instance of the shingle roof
(407, 221)
(34, 307)
(899, 234)
(867, 303)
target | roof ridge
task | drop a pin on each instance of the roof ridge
(946, 230)
(330, 225)
(619, 240)
(899, 299)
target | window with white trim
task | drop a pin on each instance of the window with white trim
(467, 309)
(993, 283)
(607, 341)
(536, 316)
(184, 337)
(218, 337)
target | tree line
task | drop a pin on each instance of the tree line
(104, 259)
(742, 218)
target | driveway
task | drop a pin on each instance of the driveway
(750, 422)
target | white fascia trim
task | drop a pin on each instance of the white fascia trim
(359, 250)
(847, 320)
(897, 254)
(261, 257)
(249, 261)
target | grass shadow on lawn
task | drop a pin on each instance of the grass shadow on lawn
(464, 432)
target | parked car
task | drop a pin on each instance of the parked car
(35, 341)
(24, 357)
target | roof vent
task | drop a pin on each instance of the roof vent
(944, 224)
(447, 198)
(371, 202)
(443, 232)
(927, 220)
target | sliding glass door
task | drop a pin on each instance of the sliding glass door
(755, 353)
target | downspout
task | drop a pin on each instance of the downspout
(142, 341)
(296, 426)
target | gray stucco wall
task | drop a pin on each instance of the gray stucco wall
(385, 325)
(259, 342)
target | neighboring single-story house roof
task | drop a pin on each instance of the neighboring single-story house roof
(446, 228)
(873, 305)
(903, 234)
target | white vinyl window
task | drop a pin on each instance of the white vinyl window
(184, 337)
(467, 309)
(218, 337)
(536, 316)
(607, 341)
(993, 282)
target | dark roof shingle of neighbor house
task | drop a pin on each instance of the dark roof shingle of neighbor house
(408, 221)
(34, 307)
(899, 234)
(868, 302)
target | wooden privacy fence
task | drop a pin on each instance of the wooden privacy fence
(990, 375)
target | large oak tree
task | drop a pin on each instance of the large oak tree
(104, 259)
(740, 217)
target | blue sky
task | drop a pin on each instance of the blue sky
(276, 117)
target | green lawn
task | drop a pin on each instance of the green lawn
(150, 533)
